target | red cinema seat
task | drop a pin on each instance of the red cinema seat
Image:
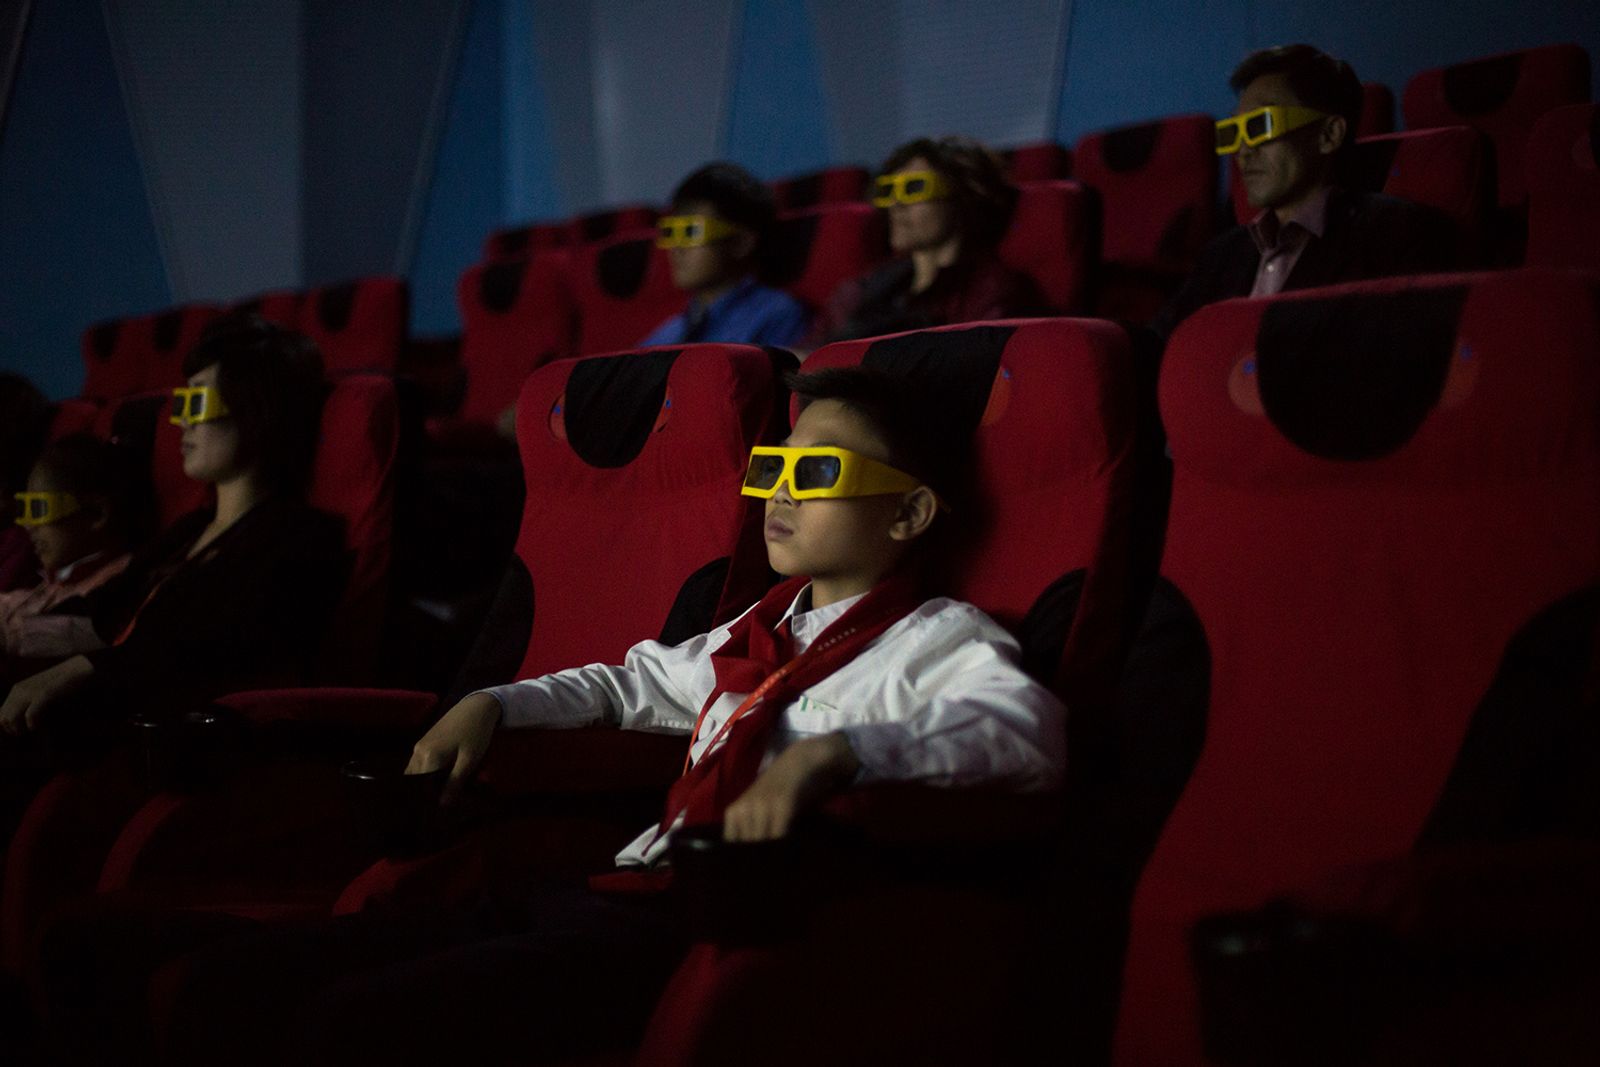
(1049, 560)
(1054, 238)
(611, 222)
(1564, 189)
(517, 242)
(140, 422)
(835, 185)
(1503, 96)
(72, 416)
(133, 355)
(813, 252)
(1384, 540)
(1041, 161)
(281, 306)
(1377, 110)
(624, 291)
(359, 325)
(516, 315)
(1158, 189)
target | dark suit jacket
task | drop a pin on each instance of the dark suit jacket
(1367, 235)
(249, 611)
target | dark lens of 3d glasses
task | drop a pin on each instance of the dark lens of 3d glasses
(915, 186)
(1258, 125)
(816, 472)
(764, 472)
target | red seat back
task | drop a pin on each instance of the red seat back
(611, 222)
(516, 315)
(72, 416)
(1158, 187)
(1377, 489)
(632, 464)
(624, 290)
(359, 325)
(1564, 188)
(1377, 110)
(517, 242)
(835, 185)
(1054, 238)
(1503, 96)
(140, 423)
(813, 252)
(353, 477)
(122, 357)
(1040, 161)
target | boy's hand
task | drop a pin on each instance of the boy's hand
(804, 773)
(33, 698)
(459, 740)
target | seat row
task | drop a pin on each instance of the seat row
(1368, 634)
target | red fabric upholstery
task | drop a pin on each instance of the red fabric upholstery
(1054, 239)
(835, 185)
(624, 291)
(132, 355)
(1355, 609)
(1564, 188)
(281, 306)
(353, 477)
(1157, 184)
(813, 252)
(73, 416)
(359, 325)
(1503, 96)
(1041, 161)
(1377, 110)
(516, 242)
(515, 315)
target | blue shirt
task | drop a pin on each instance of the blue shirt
(746, 314)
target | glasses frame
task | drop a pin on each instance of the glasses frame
(57, 507)
(1282, 119)
(891, 188)
(212, 406)
(858, 475)
(675, 231)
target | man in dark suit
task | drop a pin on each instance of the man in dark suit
(1293, 132)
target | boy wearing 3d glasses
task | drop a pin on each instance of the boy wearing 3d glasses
(841, 674)
(721, 218)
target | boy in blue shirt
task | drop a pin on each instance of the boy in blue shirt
(721, 218)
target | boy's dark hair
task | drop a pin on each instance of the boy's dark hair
(1317, 80)
(735, 194)
(100, 473)
(896, 410)
(271, 380)
(984, 197)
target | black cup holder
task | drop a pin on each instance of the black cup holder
(192, 749)
(395, 813)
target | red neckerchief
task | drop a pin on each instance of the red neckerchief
(757, 658)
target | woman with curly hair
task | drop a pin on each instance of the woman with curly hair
(949, 203)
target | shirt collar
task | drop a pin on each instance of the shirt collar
(1267, 228)
(806, 622)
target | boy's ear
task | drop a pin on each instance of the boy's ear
(918, 509)
(742, 245)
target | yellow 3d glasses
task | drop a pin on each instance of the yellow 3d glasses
(821, 472)
(42, 509)
(909, 187)
(192, 405)
(691, 231)
(1263, 124)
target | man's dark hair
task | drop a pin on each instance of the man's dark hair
(1317, 80)
(101, 474)
(984, 197)
(896, 410)
(735, 194)
(271, 380)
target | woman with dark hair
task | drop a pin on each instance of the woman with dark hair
(227, 598)
(949, 204)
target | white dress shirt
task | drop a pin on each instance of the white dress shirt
(938, 698)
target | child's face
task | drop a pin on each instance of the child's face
(68, 539)
(211, 449)
(846, 542)
(711, 265)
